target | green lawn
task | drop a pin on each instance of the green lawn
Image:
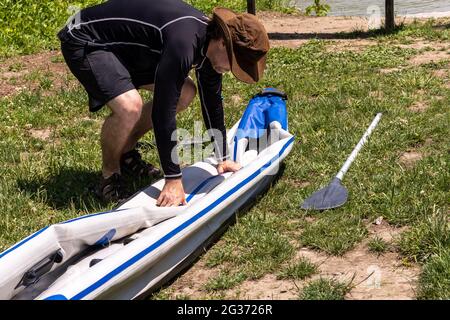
(27, 26)
(333, 97)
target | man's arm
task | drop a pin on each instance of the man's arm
(169, 79)
(173, 68)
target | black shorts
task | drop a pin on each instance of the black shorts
(105, 73)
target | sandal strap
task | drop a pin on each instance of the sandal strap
(112, 188)
(132, 162)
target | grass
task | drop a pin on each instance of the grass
(300, 270)
(27, 27)
(333, 234)
(378, 245)
(166, 295)
(325, 289)
(426, 238)
(333, 97)
(225, 280)
(253, 246)
(435, 278)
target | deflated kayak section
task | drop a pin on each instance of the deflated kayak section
(27, 261)
(128, 252)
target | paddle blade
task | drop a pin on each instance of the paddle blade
(332, 196)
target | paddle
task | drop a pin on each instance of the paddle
(335, 194)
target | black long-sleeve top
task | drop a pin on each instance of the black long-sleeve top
(175, 33)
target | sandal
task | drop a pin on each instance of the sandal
(132, 164)
(112, 189)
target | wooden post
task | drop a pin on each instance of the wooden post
(251, 6)
(390, 19)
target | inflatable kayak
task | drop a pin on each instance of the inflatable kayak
(131, 251)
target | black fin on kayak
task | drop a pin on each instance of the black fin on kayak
(94, 262)
(127, 241)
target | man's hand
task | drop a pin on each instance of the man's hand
(228, 166)
(172, 194)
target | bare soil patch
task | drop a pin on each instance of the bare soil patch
(236, 99)
(42, 134)
(390, 70)
(192, 282)
(419, 107)
(377, 94)
(27, 73)
(374, 276)
(266, 288)
(354, 45)
(409, 159)
(292, 31)
(299, 183)
(418, 45)
(429, 57)
(441, 73)
(437, 52)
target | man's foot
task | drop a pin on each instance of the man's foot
(112, 189)
(132, 164)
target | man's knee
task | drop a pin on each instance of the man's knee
(127, 106)
(188, 93)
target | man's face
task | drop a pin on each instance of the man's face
(217, 54)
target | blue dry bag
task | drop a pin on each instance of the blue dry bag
(264, 108)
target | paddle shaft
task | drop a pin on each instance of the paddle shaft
(358, 147)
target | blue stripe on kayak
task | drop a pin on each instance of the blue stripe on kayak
(199, 187)
(22, 242)
(42, 230)
(235, 148)
(93, 215)
(56, 297)
(175, 231)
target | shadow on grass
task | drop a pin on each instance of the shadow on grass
(69, 188)
(335, 36)
(442, 26)
(73, 188)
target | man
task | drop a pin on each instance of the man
(120, 46)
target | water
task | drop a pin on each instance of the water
(426, 8)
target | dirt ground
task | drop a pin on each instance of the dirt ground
(293, 31)
(372, 276)
(46, 70)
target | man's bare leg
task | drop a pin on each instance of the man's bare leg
(117, 128)
(144, 124)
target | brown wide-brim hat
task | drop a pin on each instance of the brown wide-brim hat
(246, 41)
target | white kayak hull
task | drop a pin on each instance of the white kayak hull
(131, 251)
(182, 255)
